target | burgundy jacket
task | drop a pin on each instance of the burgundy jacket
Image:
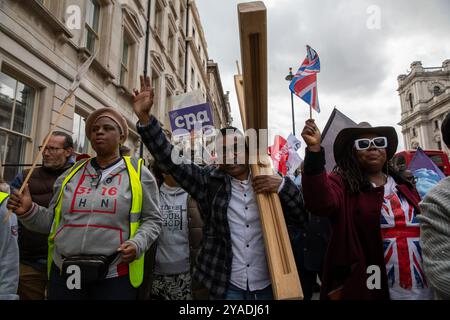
(355, 241)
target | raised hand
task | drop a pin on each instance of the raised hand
(311, 135)
(20, 203)
(143, 100)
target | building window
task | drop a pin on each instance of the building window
(439, 145)
(16, 105)
(437, 90)
(168, 98)
(92, 24)
(80, 141)
(180, 62)
(159, 18)
(192, 77)
(411, 102)
(171, 43)
(436, 125)
(168, 108)
(182, 16)
(414, 133)
(124, 62)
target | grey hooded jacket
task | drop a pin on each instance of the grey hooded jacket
(95, 214)
(9, 255)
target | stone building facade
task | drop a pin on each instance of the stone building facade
(44, 42)
(425, 101)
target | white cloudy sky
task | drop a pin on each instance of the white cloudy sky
(359, 66)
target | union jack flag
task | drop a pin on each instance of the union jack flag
(402, 253)
(304, 82)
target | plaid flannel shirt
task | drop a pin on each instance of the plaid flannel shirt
(211, 188)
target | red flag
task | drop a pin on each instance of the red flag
(279, 153)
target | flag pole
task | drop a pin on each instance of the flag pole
(289, 78)
(310, 112)
(147, 40)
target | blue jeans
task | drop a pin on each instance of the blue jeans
(235, 293)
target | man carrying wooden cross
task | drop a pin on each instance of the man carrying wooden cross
(232, 261)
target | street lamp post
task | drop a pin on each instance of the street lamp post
(289, 78)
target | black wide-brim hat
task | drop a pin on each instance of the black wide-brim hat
(349, 135)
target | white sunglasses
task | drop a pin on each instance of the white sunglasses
(365, 143)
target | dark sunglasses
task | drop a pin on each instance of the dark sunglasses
(365, 143)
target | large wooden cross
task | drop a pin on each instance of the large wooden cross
(251, 89)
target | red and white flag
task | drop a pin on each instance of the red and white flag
(284, 154)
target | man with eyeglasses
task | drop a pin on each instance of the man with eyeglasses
(56, 158)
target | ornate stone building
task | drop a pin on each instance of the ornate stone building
(43, 43)
(425, 101)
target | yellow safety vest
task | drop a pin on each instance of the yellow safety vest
(136, 268)
(3, 196)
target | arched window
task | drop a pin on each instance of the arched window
(437, 90)
(436, 125)
(411, 102)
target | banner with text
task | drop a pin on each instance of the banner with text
(197, 117)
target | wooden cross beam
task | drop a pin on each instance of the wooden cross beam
(251, 89)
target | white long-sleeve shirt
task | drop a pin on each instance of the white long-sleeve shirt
(249, 258)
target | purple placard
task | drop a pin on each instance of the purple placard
(185, 119)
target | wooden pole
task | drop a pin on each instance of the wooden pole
(251, 89)
(238, 68)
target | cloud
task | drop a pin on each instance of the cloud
(359, 65)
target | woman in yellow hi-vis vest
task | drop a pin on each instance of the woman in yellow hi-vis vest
(103, 217)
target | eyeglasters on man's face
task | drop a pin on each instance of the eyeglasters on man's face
(51, 150)
(365, 143)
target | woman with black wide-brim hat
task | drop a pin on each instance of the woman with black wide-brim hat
(374, 250)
